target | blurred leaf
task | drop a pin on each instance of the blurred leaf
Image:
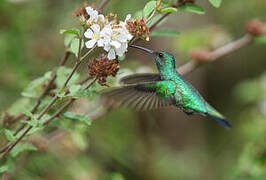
(74, 46)
(34, 89)
(5, 168)
(22, 147)
(168, 9)
(117, 176)
(138, 14)
(248, 91)
(69, 31)
(27, 113)
(154, 19)
(88, 93)
(74, 89)
(189, 7)
(260, 39)
(75, 116)
(62, 74)
(149, 7)
(9, 135)
(216, 3)
(68, 38)
(165, 32)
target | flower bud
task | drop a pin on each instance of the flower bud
(255, 27)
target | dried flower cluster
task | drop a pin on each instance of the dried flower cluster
(138, 27)
(102, 67)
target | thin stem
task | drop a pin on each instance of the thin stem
(59, 111)
(44, 93)
(103, 3)
(217, 54)
(87, 53)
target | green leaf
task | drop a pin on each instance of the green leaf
(5, 168)
(165, 32)
(74, 89)
(69, 31)
(27, 113)
(138, 14)
(35, 88)
(260, 39)
(9, 135)
(88, 93)
(189, 7)
(22, 147)
(74, 46)
(62, 74)
(168, 9)
(75, 116)
(149, 7)
(216, 3)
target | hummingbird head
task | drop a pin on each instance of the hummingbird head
(164, 60)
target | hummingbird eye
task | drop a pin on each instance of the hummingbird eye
(161, 55)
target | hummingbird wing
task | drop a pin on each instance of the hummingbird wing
(139, 97)
(140, 78)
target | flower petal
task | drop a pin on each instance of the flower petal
(89, 44)
(95, 28)
(88, 34)
(111, 54)
(107, 47)
(128, 17)
(116, 44)
(100, 43)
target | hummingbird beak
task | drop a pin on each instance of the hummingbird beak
(142, 48)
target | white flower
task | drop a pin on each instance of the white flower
(94, 15)
(113, 38)
(93, 33)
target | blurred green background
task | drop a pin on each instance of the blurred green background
(161, 144)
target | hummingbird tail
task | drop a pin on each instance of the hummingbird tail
(221, 121)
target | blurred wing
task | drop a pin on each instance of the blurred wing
(138, 97)
(140, 78)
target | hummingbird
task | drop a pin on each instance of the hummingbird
(148, 91)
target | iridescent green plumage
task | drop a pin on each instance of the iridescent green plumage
(148, 91)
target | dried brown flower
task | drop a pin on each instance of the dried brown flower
(255, 27)
(102, 67)
(81, 11)
(137, 27)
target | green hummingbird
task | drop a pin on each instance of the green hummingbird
(150, 91)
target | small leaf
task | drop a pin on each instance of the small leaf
(9, 135)
(68, 39)
(74, 89)
(22, 147)
(149, 7)
(216, 3)
(27, 113)
(260, 39)
(5, 168)
(189, 7)
(62, 74)
(138, 14)
(75, 116)
(168, 9)
(74, 46)
(69, 31)
(165, 32)
(34, 89)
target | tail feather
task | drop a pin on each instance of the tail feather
(221, 121)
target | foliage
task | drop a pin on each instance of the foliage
(117, 146)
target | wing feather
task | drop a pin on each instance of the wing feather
(138, 97)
